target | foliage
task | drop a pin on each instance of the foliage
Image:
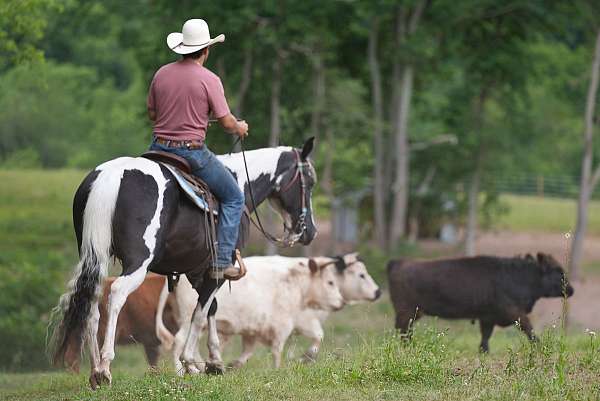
(22, 26)
(36, 253)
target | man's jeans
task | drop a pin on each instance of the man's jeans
(222, 184)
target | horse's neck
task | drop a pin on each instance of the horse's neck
(262, 169)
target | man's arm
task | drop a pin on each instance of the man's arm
(233, 126)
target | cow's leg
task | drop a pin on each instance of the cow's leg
(526, 327)
(248, 347)
(206, 294)
(314, 331)
(92, 339)
(278, 342)
(276, 351)
(178, 344)
(152, 354)
(119, 291)
(404, 322)
(486, 328)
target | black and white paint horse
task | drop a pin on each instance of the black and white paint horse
(132, 209)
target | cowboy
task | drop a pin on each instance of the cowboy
(181, 98)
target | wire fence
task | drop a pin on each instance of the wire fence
(563, 186)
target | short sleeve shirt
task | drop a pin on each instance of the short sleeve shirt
(184, 96)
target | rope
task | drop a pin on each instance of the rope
(274, 240)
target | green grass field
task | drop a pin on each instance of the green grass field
(531, 213)
(362, 359)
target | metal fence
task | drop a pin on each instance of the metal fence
(562, 186)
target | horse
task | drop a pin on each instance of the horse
(132, 209)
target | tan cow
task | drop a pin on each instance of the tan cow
(264, 306)
(135, 324)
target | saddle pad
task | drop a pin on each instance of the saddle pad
(189, 190)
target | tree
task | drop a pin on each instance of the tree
(407, 22)
(22, 27)
(589, 178)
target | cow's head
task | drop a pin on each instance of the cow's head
(554, 281)
(323, 292)
(355, 283)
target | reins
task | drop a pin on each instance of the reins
(280, 242)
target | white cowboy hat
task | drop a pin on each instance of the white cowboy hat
(194, 36)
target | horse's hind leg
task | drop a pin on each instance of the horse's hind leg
(119, 291)
(92, 339)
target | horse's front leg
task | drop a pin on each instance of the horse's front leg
(206, 294)
(119, 291)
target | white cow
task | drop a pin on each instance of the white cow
(273, 300)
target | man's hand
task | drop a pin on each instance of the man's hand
(242, 131)
(231, 125)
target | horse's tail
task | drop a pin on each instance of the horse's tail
(70, 316)
(163, 334)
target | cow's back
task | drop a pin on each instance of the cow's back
(262, 300)
(455, 288)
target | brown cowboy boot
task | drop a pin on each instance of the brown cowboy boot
(231, 272)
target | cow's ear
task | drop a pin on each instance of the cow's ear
(541, 258)
(313, 266)
(340, 264)
(307, 148)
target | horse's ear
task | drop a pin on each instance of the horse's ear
(307, 148)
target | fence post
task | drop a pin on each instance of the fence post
(540, 185)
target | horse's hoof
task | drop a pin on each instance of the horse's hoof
(190, 368)
(100, 377)
(215, 368)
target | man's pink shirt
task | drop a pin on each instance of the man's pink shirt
(184, 95)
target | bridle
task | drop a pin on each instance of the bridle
(293, 233)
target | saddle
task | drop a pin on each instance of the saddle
(196, 189)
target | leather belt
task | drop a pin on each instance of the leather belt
(191, 144)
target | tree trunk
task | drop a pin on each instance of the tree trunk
(474, 186)
(400, 187)
(473, 211)
(275, 131)
(379, 189)
(588, 181)
(245, 81)
(318, 94)
(327, 186)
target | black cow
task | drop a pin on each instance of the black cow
(493, 290)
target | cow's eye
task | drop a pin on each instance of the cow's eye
(330, 283)
(362, 275)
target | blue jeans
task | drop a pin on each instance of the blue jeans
(222, 184)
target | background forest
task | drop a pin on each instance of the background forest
(432, 108)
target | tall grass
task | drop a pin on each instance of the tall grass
(382, 367)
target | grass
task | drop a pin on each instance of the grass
(362, 359)
(531, 213)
